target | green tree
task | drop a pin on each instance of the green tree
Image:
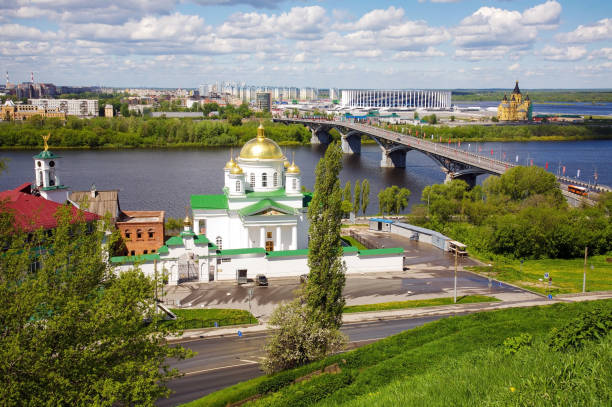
(400, 199)
(327, 269)
(357, 197)
(365, 195)
(298, 339)
(519, 183)
(347, 207)
(346, 195)
(73, 332)
(125, 111)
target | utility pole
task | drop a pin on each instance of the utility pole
(455, 301)
(586, 249)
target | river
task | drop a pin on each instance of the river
(151, 179)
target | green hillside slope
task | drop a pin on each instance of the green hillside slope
(454, 361)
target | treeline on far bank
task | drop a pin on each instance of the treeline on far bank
(130, 132)
(532, 132)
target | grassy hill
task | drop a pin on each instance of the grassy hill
(465, 360)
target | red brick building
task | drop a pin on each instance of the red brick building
(142, 231)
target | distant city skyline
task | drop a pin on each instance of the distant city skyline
(441, 44)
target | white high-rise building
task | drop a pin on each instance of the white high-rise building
(72, 107)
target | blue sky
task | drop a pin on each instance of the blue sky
(347, 44)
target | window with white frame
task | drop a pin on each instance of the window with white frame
(264, 180)
(252, 180)
(294, 183)
(237, 185)
(275, 179)
(219, 242)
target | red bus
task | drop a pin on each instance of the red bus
(577, 190)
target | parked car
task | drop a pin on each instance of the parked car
(260, 279)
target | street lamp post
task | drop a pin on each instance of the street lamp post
(455, 298)
(586, 249)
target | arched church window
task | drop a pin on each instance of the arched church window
(294, 183)
(128, 234)
(237, 186)
(138, 234)
(275, 179)
(151, 233)
(219, 242)
(264, 180)
(252, 180)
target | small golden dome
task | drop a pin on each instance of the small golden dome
(236, 170)
(287, 164)
(187, 221)
(230, 164)
(293, 169)
(261, 148)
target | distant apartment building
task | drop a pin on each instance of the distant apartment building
(204, 90)
(11, 111)
(264, 101)
(71, 107)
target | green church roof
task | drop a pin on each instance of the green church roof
(46, 155)
(248, 250)
(218, 201)
(374, 252)
(175, 241)
(266, 204)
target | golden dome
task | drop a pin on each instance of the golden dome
(230, 164)
(287, 164)
(293, 169)
(236, 170)
(261, 148)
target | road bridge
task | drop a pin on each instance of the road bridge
(456, 163)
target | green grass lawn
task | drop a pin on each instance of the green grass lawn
(206, 318)
(566, 274)
(452, 361)
(351, 241)
(417, 303)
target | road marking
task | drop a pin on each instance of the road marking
(220, 368)
(246, 360)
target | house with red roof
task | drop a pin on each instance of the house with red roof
(33, 212)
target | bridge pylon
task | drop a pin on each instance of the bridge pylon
(393, 158)
(351, 142)
(469, 178)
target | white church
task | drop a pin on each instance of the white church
(257, 225)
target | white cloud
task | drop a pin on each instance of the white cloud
(21, 32)
(371, 53)
(563, 54)
(299, 22)
(489, 28)
(254, 3)
(514, 67)
(605, 53)
(545, 14)
(429, 52)
(599, 31)
(499, 52)
(374, 20)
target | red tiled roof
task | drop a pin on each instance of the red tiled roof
(34, 212)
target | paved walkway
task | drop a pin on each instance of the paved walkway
(359, 317)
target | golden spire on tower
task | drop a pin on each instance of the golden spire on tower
(45, 139)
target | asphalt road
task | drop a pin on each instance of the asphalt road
(222, 362)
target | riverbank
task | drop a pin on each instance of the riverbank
(133, 133)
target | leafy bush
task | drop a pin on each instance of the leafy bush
(515, 343)
(589, 326)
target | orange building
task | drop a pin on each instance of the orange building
(142, 231)
(12, 111)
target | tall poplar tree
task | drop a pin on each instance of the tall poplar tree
(347, 192)
(327, 269)
(365, 195)
(357, 198)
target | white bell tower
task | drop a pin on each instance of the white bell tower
(47, 182)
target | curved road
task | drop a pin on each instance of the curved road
(223, 362)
